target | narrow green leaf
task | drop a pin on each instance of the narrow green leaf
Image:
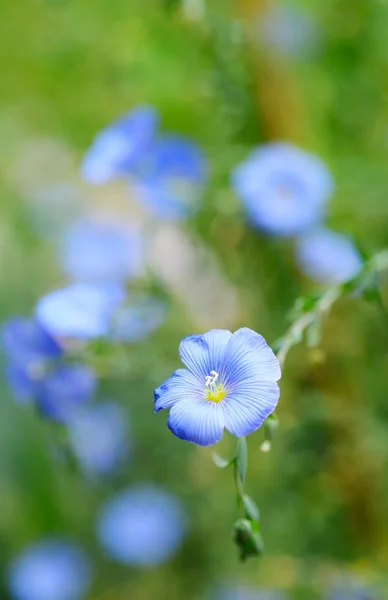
(241, 458)
(251, 509)
(222, 463)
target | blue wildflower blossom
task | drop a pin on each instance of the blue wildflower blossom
(283, 188)
(29, 351)
(136, 320)
(98, 435)
(92, 251)
(81, 310)
(142, 526)
(25, 340)
(172, 178)
(117, 149)
(52, 569)
(63, 389)
(36, 372)
(327, 256)
(230, 382)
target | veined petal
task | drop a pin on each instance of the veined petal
(247, 407)
(201, 422)
(205, 353)
(181, 385)
(248, 356)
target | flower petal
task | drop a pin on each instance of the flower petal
(246, 408)
(200, 422)
(181, 385)
(204, 353)
(249, 356)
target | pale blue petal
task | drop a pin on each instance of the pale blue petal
(201, 422)
(181, 385)
(247, 407)
(204, 353)
(249, 356)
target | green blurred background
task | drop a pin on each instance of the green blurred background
(69, 67)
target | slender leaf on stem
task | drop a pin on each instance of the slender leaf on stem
(251, 509)
(241, 459)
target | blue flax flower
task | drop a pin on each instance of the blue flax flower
(63, 389)
(142, 526)
(327, 256)
(93, 251)
(29, 351)
(52, 569)
(98, 434)
(230, 382)
(83, 311)
(36, 372)
(118, 148)
(172, 177)
(284, 189)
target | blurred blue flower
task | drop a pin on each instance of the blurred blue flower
(29, 351)
(284, 189)
(230, 382)
(172, 177)
(92, 251)
(98, 434)
(142, 526)
(63, 389)
(80, 310)
(327, 256)
(25, 341)
(52, 569)
(117, 149)
(136, 321)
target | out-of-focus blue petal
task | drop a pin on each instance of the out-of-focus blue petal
(248, 356)
(200, 422)
(170, 182)
(176, 156)
(142, 526)
(80, 310)
(117, 149)
(137, 320)
(92, 251)
(22, 384)
(52, 569)
(284, 189)
(248, 405)
(99, 437)
(180, 386)
(204, 353)
(64, 389)
(25, 341)
(327, 256)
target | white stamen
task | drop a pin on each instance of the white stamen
(211, 379)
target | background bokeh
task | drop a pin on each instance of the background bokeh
(229, 74)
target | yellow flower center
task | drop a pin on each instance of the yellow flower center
(215, 394)
(213, 391)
